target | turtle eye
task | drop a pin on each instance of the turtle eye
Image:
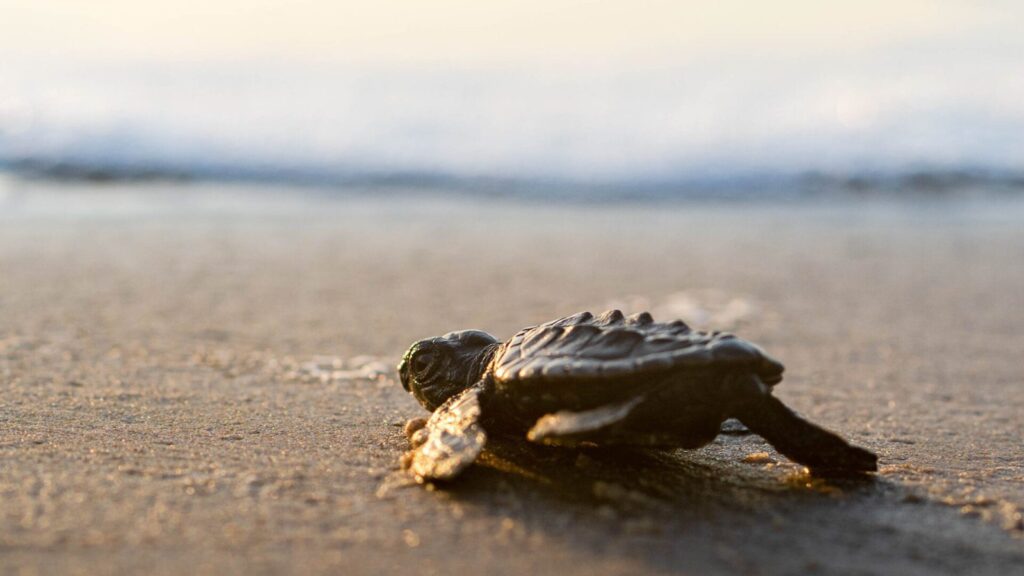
(421, 363)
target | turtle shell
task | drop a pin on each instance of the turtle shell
(584, 346)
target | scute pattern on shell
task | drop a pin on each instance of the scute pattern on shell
(612, 345)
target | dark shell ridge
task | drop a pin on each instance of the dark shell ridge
(613, 345)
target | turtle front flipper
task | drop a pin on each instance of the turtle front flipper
(824, 452)
(451, 439)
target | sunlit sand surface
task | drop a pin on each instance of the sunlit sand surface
(194, 384)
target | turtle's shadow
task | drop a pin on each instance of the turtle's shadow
(701, 511)
(632, 482)
(654, 510)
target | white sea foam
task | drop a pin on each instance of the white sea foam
(619, 123)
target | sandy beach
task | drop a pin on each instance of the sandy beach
(190, 383)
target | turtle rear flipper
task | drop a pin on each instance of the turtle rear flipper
(567, 428)
(822, 451)
(454, 438)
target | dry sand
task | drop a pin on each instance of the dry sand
(186, 383)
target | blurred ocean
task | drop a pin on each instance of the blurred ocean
(920, 116)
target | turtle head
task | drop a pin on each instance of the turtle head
(436, 369)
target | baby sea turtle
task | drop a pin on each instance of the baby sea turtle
(602, 380)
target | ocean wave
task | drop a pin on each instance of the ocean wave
(710, 128)
(738, 186)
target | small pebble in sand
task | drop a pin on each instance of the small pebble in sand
(412, 540)
(758, 458)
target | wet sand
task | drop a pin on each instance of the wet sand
(190, 385)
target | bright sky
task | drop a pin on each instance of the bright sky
(473, 31)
